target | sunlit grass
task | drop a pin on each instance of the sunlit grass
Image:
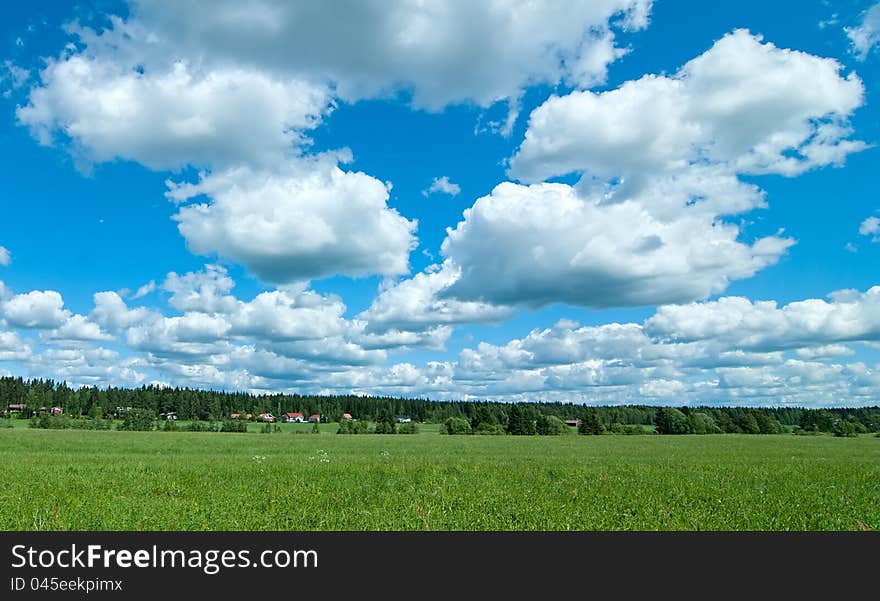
(108, 480)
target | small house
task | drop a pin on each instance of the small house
(574, 423)
(402, 419)
(314, 418)
(347, 416)
(291, 417)
(235, 416)
(169, 416)
(56, 411)
(266, 417)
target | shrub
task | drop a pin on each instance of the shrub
(550, 425)
(352, 427)
(455, 425)
(198, 426)
(408, 428)
(170, 426)
(628, 429)
(843, 428)
(385, 428)
(140, 420)
(489, 429)
(234, 425)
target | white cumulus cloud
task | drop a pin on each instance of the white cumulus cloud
(442, 185)
(866, 34)
(308, 220)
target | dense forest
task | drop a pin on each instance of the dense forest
(30, 396)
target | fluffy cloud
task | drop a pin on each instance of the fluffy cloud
(443, 186)
(727, 351)
(847, 316)
(871, 227)
(144, 290)
(750, 106)
(174, 116)
(547, 243)
(79, 328)
(213, 84)
(206, 291)
(112, 314)
(37, 309)
(13, 347)
(865, 35)
(443, 52)
(414, 304)
(660, 159)
(309, 220)
(5, 257)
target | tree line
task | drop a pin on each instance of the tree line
(484, 417)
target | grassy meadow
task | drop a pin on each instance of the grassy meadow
(109, 480)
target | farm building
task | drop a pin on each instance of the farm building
(266, 417)
(314, 418)
(293, 417)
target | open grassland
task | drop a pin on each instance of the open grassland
(108, 480)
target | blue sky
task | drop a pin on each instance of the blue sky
(609, 202)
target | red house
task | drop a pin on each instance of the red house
(347, 416)
(314, 418)
(293, 417)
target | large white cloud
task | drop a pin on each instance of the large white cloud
(413, 304)
(308, 220)
(177, 116)
(218, 83)
(39, 309)
(546, 243)
(660, 159)
(444, 52)
(848, 316)
(748, 105)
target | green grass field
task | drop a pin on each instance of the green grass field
(88, 480)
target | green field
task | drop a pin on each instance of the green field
(109, 480)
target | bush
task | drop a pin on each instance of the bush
(170, 426)
(489, 429)
(139, 420)
(628, 429)
(350, 426)
(456, 425)
(385, 428)
(408, 428)
(197, 426)
(234, 425)
(843, 428)
(550, 425)
(270, 428)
